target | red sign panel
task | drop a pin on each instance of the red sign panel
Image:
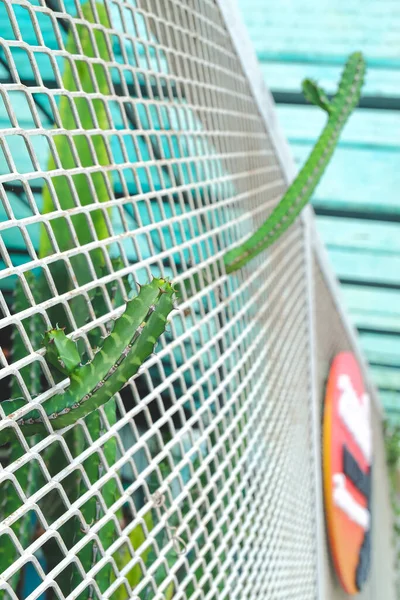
(347, 460)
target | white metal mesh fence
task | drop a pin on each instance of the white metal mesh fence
(131, 145)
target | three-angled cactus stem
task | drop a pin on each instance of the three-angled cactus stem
(119, 358)
(299, 193)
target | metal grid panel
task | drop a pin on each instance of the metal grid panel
(212, 485)
(333, 338)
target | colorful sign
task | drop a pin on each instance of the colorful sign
(347, 461)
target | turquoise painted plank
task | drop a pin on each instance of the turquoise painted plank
(365, 265)
(380, 357)
(390, 400)
(361, 235)
(387, 378)
(287, 77)
(372, 300)
(381, 348)
(358, 178)
(391, 406)
(372, 210)
(375, 128)
(326, 28)
(331, 55)
(378, 320)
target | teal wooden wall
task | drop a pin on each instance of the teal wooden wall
(358, 201)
